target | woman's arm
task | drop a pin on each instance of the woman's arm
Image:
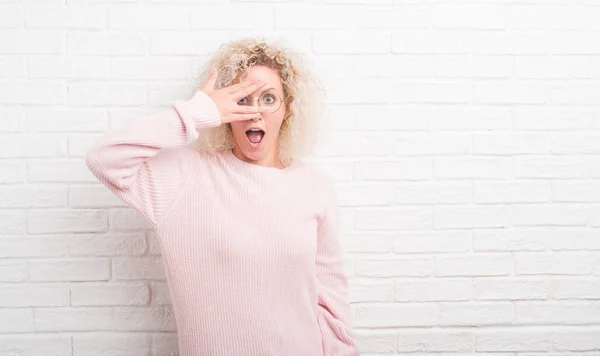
(333, 312)
(127, 161)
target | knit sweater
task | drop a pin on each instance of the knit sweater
(252, 254)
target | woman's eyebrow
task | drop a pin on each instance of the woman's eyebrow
(269, 89)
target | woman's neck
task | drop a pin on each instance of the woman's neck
(271, 160)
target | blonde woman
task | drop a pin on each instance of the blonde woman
(248, 232)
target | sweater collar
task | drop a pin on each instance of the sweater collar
(233, 160)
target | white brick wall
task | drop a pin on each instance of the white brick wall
(465, 151)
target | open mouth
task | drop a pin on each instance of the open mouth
(255, 137)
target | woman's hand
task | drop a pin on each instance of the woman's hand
(227, 99)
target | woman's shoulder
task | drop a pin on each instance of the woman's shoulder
(179, 154)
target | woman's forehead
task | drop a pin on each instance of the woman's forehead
(271, 76)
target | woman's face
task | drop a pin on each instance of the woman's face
(256, 147)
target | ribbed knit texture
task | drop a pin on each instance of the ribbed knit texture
(252, 254)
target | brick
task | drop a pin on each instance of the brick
(13, 221)
(374, 242)
(490, 240)
(13, 270)
(143, 268)
(67, 120)
(472, 167)
(73, 270)
(83, 94)
(404, 169)
(34, 246)
(20, 41)
(463, 66)
(127, 219)
(57, 221)
(12, 16)
(511, 143)
(396, 66)
(511, 93)
(32, 145)
(367, 290)
(433, 290)
(545, 67)
(511, 192)
(352, 42)
(122, 344)
(159, 318)
(551, 167)
(431, 41)
(155, 17)
(574, 312)
(564, 263)
(510, 289)
(432, 241)
(160, 293)
(58, 67)
(147, 68)
(457, 217)
(106, 294)
(556, 214)
(225, 17)
(396, 315)
(376, 219)
(108, 244)
(513, 339)
(579, 143)
(33, 295)
(13, 119)
(36, 344)
(111, 43)
(576, 192)
(61, 171)
(80, 145)
(93, 196)
(431, 144)
(363, 194)
(432, 193)
(398, 267)
(575, 289)
(475, 314)
(73, 319)
(71, 16)
(435, 341)
(540, 118)
(485, 264)
(33, 196)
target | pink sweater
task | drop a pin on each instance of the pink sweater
(251, 254)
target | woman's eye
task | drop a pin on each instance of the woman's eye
(241, 100)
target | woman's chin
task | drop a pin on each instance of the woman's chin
(254, 153)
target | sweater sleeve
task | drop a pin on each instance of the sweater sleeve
(131, 161)
(333, 313)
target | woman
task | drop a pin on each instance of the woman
(248, 232)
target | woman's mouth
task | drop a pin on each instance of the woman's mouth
(255, 137)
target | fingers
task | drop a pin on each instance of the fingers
(212, 79)
(242, 117)
(235, 87)
(243, 109)
(247, 89)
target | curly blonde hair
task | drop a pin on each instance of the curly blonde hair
(306, 115)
